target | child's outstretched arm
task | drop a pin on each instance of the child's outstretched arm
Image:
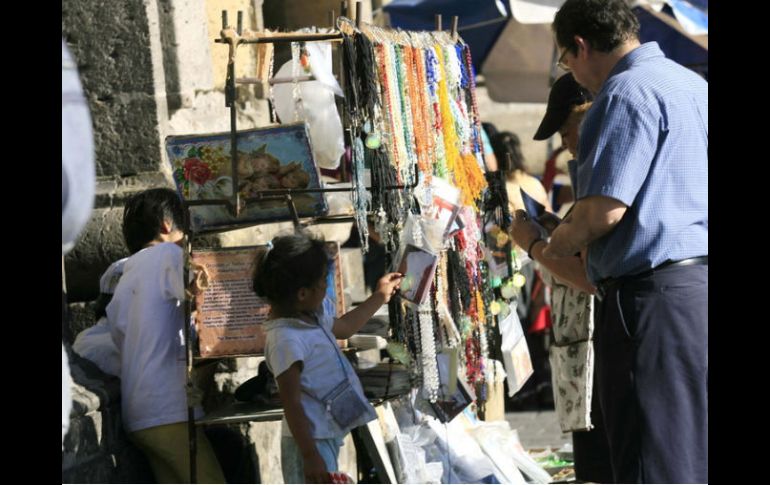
(349, 323)
(289, 389)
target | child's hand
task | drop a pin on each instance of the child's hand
(315, 469)
(388, 284)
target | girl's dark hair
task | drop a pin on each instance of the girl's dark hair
(605, 24)
(504, 143)
(294, 262)
(144, 213)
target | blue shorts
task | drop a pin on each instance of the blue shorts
(291, 458)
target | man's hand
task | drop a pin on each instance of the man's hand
(524, 230)
(549, 221)
(591, 218)
(387, 285)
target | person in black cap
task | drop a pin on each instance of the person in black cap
(566, 95)
(572, 304)
(567, 103)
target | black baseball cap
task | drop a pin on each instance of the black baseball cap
(565, 93)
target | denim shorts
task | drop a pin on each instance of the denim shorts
(291, 458)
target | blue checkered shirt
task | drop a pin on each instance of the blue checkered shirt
(644, 142)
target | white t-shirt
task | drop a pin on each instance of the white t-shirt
(146, 315)
(323, 367)
(66, 394)
(95, 344)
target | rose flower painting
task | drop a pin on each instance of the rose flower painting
(273, 158)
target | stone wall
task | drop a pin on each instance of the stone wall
(96, 449)
(149, 70)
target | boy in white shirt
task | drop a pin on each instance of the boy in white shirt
(146, 317)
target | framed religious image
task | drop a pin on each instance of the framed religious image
(454, 393)
(228, 314)
(276, 157)
(445, 205)
(418, 266)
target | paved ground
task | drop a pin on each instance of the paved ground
(538, 429)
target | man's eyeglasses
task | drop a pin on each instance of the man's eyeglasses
(560, 62)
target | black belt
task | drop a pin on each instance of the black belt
(609, 284)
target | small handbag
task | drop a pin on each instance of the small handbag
(345, 405)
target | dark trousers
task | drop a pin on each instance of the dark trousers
(652, 367)
(591, 449)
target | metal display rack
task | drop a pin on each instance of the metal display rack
(242, 412)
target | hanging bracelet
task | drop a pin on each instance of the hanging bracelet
(532, 245)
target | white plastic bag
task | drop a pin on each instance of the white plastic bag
(518, 365)
(318, 108)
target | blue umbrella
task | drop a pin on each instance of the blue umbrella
(517, 58)
(675, 41)
(480, 21)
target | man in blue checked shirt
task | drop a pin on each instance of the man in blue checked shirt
(642, 210)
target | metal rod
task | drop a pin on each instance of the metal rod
(274, 80)
(284, 80)
(482, 24)
(455, 20)
(358, 13)
(438, 21)
(191, 434)
(230, 85)
(332, 18)
(293, 211)
(287, 38)
(276, 194)
(248, 80)
(224, 19)
(349, 142)
(345, 110)
(240, 22)
(235, 206)
(271, 112)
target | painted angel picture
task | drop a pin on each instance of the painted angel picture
(273, 158)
